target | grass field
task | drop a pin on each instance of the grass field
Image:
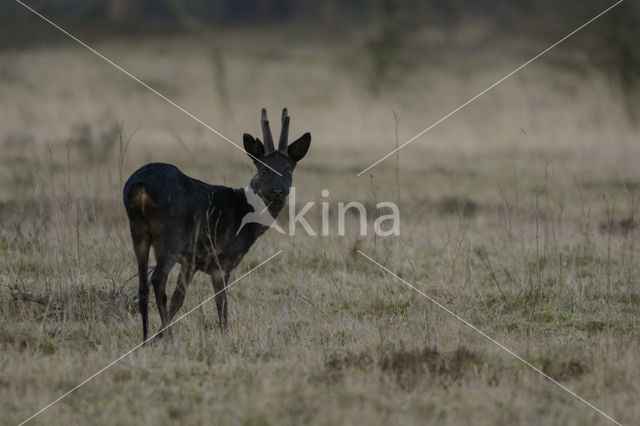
(519, 214)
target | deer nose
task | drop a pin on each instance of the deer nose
(278, 192)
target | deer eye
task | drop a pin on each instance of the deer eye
(288, 172)
(263, 172)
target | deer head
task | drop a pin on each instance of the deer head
(274, 175)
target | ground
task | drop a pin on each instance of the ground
(518, 214)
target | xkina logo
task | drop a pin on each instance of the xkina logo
(384, 225)
(260, 213)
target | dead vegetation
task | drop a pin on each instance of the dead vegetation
(408, 366)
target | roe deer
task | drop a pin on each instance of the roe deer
(195, 224)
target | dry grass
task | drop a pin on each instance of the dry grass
(519, 214)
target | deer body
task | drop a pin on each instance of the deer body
(195, 224)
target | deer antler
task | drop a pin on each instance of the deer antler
(284, 133)
(266, 134)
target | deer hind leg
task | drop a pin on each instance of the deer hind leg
(184, 279)
(141, 246)
(159, 282)
(220, 281)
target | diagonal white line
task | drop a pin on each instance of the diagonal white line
(115, 361)
(482, 333)
(137, 80)
(490, 87)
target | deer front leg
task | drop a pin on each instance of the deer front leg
(220, 281)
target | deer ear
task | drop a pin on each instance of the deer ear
(252, 146)
(299, 148)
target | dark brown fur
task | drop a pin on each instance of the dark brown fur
(192, 223)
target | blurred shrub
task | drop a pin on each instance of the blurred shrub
(611, 42)
(619, 53)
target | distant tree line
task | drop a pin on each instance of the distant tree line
(612, 42)
(127, 11)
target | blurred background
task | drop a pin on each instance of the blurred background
(361, 76)
(348, 70)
